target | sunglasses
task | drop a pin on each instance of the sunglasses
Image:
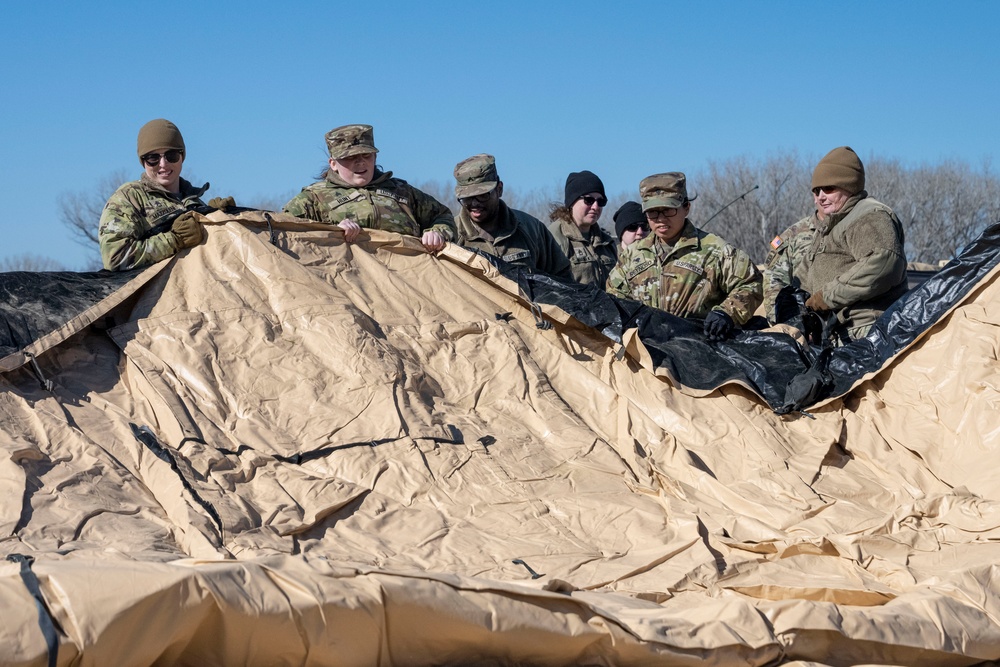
(636, 227)
(153, 159)
(826, 189)
(590, 201)
(479, 199)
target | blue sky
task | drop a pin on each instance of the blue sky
(624, 89)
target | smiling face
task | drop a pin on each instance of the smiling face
(356, 170)
(165, 173)
(483, 209)
(830, 199)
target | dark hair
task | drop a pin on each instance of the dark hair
(559, 211)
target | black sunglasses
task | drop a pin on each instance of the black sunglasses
(479, 199)
(172, 156)
(636, 227)
(590, 201)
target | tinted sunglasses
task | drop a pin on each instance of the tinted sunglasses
(479, 199)
(826, 189)
(590, 201)
(172, 156)
(636, 227)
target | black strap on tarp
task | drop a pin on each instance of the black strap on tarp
(145, 436)
(46, 621)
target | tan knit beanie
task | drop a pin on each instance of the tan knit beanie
(159, 133)
(842, 168)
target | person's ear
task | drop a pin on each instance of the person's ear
(499, 189)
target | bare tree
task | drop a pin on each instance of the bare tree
(81, 211)
(28, 262)
(942, 207)
(746, 217)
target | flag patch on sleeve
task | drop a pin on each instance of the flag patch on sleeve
(776, 242)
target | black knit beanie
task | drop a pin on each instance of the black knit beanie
(580, 183)
(629, 214)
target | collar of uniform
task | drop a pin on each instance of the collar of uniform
(378, 178)
(827, 223)
(687, 237)
(570, 230)
(471, 231)
(186, 189)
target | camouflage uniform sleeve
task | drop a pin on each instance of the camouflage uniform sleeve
(120, 233)
(876, 242)
(432, 215)
(777, 276)
(303, 205)
(742, 283)
(617, 284)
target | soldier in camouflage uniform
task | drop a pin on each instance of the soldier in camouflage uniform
(591, 250)
(355, 193)
(487, 224)
(140, 224)
(683, 270)
(848, 255)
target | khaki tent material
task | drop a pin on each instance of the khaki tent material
(311, 452)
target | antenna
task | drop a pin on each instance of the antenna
(705, 224)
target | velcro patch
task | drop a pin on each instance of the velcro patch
(639, 268)
(776, 242)
(403, 201)
(515, 256)
(693, 268)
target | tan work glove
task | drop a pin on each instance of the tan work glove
(816, 301)
(188, 230)
(222, 203)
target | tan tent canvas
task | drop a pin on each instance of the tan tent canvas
(310, 452)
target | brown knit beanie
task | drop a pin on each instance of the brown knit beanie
(842, 168)
(158, 134)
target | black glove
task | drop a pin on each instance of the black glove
(188, 230)
(718, 325)
(222, 203)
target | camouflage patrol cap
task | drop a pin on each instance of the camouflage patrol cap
(348, 140)
(667, 190)
(476, 175)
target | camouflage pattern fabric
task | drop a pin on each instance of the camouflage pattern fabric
(131, 214)
(700, 273)
(520, 239)
(787, 249)
(592, 257)
(387, 203)
(855, 257)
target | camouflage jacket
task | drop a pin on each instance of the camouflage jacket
(855, 257)
(520, 239)
(130, 216)
(698, 274)
(592, 257)
(386, 203)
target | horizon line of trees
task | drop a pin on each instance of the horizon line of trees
(942, 207)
